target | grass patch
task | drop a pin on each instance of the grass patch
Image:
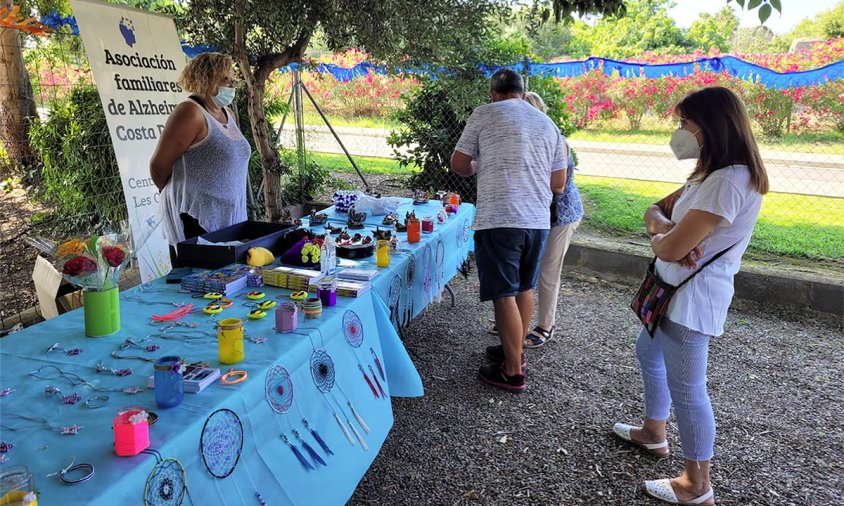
(819, 143)
(311, 117)
(367, 164)
(798, 226)
(789, 225)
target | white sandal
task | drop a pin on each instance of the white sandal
(622, 431)
(662, 490)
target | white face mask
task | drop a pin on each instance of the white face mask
(224, 96)
(684, 144)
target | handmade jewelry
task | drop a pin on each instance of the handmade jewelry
(233, 377)
(101, 368)
(257, 340)
(5, 447)
(88, 469)
(73, 398)
(97, 402)
(65, 430)
(114, 354)
(71, 352)
(173, 315)
(256, 295)
(6, 391)
(50, 372)
(129, 343)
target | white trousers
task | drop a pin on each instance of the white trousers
(550, 269)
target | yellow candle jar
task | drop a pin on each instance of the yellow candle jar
(230, 340)
(382, 253)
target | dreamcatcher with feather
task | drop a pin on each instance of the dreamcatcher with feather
(409, 283)
(279, 393)
(324, 375)
(353, 332)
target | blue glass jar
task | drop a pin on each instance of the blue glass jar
(169, 382)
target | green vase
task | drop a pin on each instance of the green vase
(102, 312)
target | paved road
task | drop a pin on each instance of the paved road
(804, 173)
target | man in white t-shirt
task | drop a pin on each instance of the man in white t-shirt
(519, 157)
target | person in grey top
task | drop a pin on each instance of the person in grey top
(202, 158)
(519, 157)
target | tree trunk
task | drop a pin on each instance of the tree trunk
(16, 103)
(269, 156)
(255, 82)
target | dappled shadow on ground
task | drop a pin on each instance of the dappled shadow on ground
(774, 379)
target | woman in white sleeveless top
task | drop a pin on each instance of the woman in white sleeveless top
(714, 212)
(202, 158)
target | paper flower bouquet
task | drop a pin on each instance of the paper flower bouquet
(94, 264)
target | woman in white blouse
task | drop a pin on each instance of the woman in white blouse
(714, 211)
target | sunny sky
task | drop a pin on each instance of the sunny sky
(793, 11)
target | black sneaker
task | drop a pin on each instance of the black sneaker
(496, 354)
(494, 375)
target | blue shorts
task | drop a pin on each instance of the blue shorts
(508, 260)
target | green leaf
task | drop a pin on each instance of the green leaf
(92, 245)
(764, 13)
(741, 3)
(776, 4)
(753, 4)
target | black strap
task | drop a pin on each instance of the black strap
(716, 257)
(201, 102)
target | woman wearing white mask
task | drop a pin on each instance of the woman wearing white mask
(714, 212)
(202, 158)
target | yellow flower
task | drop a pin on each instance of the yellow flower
(71, 247)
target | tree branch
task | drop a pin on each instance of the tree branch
(268, 63)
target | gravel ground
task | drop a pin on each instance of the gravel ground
(775, 382)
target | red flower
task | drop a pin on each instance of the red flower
(114, 255)
(78, 266)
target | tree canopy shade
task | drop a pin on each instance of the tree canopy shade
(263, 36)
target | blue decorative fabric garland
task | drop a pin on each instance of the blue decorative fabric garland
(734, 66)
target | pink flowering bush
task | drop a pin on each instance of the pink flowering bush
(594, 97)
(372, 95)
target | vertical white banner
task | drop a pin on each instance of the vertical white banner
(136, 58)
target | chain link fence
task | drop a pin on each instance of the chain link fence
(624, 162)
(57, 165)
(60, 177)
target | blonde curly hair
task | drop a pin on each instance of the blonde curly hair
(202, 74)
(535, 100)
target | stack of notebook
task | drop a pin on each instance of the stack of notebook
(195, 282)
(357, 274)
(228, 280)
(290, 277)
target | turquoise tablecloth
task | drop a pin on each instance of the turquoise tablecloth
(267, 465)
(418, 274)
